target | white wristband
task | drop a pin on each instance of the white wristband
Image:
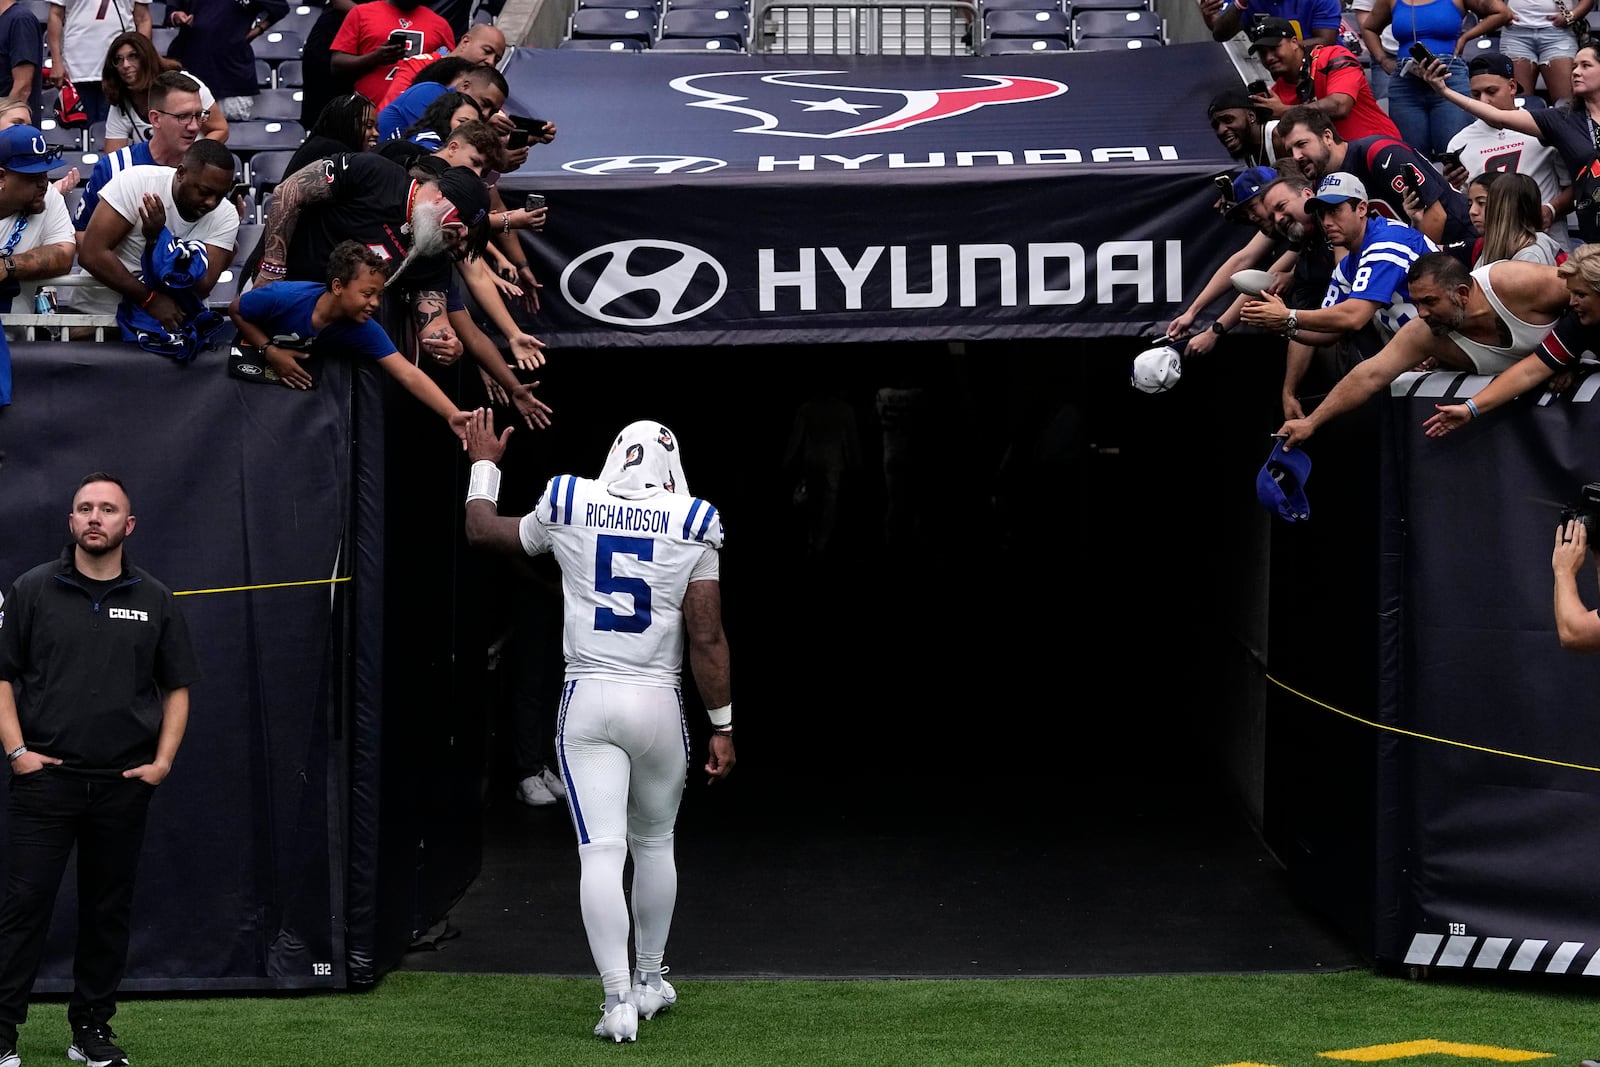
(722, 716)
(485, 482)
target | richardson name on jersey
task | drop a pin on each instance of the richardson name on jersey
(626, 517)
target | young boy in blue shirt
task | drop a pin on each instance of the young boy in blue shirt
(287, 320)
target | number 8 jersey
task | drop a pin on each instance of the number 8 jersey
(626, 563)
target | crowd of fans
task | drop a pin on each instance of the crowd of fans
(1438, 207)
(396, 178)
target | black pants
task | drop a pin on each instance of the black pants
(50, 812)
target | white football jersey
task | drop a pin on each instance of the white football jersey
(625, 567)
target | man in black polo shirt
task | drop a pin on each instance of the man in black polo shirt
(95, 665)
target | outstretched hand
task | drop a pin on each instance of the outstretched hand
(1446, 417)
(480, 437)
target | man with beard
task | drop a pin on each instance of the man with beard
(1575, 333)
(189, 203)
(1383, 165)
(36, 238)
(1239, 123)
(95, 669)
(1327, 77)
(422, 222)
(1480, 322)
(1284, 201)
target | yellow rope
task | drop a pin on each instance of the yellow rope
(267, 585)
(1428, 737)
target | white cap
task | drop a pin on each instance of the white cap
(1155, 370)
(1339, 187)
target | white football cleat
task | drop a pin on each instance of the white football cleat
(619, 1024)
(651, 1000)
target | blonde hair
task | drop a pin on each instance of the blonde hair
(10, 102)
(1584, 260)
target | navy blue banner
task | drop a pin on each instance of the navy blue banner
(756, 199)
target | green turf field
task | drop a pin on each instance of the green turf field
(1176, 1021)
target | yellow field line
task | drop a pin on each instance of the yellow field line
(1429, 737)
(265, 585)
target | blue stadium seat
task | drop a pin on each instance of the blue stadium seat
(614, 22)
(277, 104)
(287, 74)
(725, 4)
(699, 44)
(277, 45)
(603, 44)
(1018, 5)
(1020, 46)
(264, 170)
(1115, 44)
(1135, 23)
(1109, 5)
(260, 135)
(162, 37)
(706, 23)
(1033, 24)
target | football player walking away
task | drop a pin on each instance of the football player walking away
(639, 580)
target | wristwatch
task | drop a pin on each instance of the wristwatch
(1218, 329)
(1292, 326)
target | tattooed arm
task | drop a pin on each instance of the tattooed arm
(310, 184)
(430, 327)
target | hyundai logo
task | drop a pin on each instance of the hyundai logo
(652, 164)
(643, 283)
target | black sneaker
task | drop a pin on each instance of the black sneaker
(93, 1045)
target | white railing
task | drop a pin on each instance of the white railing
(822, 27)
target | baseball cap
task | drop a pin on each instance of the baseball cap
(23, 149)
(463, 188)
(1234, 98)
(1490, 63)
(1269, 31)
(1248, 185)
(1337, 188)
(1155, 370)
(1281, 484)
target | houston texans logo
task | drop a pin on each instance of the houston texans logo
(785, 104)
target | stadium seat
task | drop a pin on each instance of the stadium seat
(1136, 23)
(1021, 46)
(277, 104)
(1115, 44)
(725, 4)
(162, 37)
(265, 135)
(300, 19)
(705, 23)
(287, 74)
(604, 44)
(158, 13)
(614, 23)
(97, 136)
(1109, 5)
(40, 10)
(637, 5)
(985, 6)
(1032, 24)
(1489, 42)
(275, 46)
(699, 44)
(263, 74)
(265, 169)
(63, 137)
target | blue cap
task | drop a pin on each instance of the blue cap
(23, 149)
(1281, 485)
(1248, 186)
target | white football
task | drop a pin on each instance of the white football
(1253, 282)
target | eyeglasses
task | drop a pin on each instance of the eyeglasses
(196, 117)
(125, 59)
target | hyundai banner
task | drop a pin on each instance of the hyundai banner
(752, 199)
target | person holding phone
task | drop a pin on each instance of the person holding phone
(1324, 76)
(364, 51)
(1430, 28)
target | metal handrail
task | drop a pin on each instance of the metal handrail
(945, 27)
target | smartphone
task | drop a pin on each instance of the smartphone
(535, 201)
(410, 39)
(1257, 87)
(1224, 186)
(1450, 159)
(239, 189)
(517, 138)
(1420, 53)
